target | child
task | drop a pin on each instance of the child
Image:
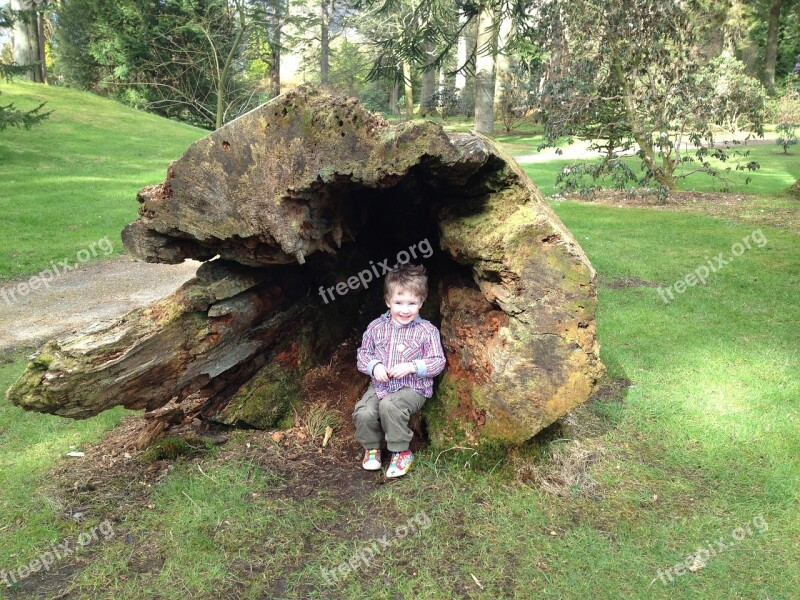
(402, 353)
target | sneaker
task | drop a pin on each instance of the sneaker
(372, 459)
(400, 464)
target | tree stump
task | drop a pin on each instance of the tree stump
(305, 202)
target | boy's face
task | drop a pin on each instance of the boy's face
(403, 306)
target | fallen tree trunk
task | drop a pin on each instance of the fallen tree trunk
(307, 201)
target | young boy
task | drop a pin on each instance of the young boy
(402, 353)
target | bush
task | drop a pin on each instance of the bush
(733, 99)
(787, 135)
(787, 102)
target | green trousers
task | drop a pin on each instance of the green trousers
(386, 418)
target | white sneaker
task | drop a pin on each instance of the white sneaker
(401, 464)
(372, 459)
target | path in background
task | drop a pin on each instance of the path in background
(95, 292)
(579, 150)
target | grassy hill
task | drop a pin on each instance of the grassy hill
(73, 180)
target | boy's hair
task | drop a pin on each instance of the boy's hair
(407, 278)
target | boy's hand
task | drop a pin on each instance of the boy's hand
(402, 370)
(379, 373)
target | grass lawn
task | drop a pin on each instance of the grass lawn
(778, 171)
(703, 443)
(699, 455)
(72, 180)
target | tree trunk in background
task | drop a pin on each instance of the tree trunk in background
(771, 53)
(394, 95)
(461, 56)
(501, 63)
(409, 92)
(26, 39)
(559, 58)
(718, 34)
(326, 7)
(484, 72)
(275, 48)
(428, 82)
(40, 41)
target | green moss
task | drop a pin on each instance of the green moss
(171, 447)
(266, 400)
(43, 361)
(444, 427)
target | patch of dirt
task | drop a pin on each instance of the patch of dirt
(611, 390)
(566, 473)
(627, 282)
(743, 208)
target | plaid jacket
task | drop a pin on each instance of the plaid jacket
(391, 344)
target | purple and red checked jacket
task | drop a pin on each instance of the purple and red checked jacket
(391, 344)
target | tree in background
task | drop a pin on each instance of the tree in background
(632, 84)
(29, 38)
(178, 59)
(10, 115)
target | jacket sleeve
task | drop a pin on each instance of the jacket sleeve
(433, 361)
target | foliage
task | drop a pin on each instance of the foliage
(632, 84)
(168, 57)
(788, 35)
(517, 95)
(787, 135)
(10, 115)
(729, 97)
(446, 101)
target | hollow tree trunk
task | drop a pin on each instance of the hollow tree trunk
(307, 201)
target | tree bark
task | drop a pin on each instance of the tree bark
(771, 52)
(484, 71)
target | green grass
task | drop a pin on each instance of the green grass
(777, 171)
(30, 444)
(703, 442)
(72, 180)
